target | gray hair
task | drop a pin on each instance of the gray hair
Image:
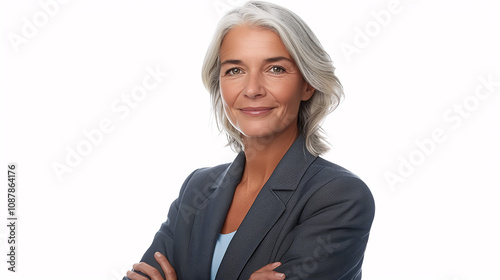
(304, 48)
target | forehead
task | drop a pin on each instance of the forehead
(252, 42)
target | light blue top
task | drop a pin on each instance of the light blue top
(220, 249)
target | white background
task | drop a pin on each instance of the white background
(440, 221)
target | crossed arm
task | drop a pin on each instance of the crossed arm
(265, 273)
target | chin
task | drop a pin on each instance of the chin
(258, 132)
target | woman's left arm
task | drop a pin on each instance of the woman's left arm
(163, 239)
(330, 240)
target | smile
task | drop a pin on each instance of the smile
(256, 111)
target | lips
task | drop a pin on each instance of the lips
(256, 111)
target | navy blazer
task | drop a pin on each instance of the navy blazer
(312, 215)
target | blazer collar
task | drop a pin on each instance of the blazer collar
(209, 220)
(265, 211)
(292, 167)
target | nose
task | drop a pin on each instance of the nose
(254, 88)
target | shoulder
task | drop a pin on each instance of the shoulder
(336, 187)
(331, 168)
(203, 180)
(335, 176)
(206, 174)
(212, 173)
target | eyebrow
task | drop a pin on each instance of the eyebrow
(231, 61)
(267, 60)
(278, 58)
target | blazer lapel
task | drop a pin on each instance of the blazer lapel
(209, 219)
(266, 209)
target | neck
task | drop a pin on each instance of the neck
(263, 155)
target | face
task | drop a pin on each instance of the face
(261, 85)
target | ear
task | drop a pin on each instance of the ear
(308, 92)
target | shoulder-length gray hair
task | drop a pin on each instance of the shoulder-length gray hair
(305, 49)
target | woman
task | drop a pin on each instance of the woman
(278, 210)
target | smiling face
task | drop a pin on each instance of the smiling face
(261, 85)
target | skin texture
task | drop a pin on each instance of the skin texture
(261, 88)
(257, 71)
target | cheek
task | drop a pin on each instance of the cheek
(227, 107)
(290, 97)
(227, 100)
(228, 95)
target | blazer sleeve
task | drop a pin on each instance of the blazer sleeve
(164, 238)
(332, 232)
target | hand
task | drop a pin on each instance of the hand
(152, 272)
(267, 273)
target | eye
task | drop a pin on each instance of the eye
(233, 71)
(277, 70)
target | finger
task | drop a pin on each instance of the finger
(267, 275)
(269, 267)
(150, 271)
(132, 275)
(165, 265)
